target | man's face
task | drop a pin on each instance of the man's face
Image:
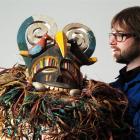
(124, 47)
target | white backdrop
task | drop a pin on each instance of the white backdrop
(95, 14)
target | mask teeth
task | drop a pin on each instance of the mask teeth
(56, 88)
(42, 87)
(44, 62)
(60, 89)
(51, 88)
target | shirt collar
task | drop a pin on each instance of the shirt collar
(129, 75)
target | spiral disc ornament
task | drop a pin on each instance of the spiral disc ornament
(83, 36)
(31, 30)
(41, 25)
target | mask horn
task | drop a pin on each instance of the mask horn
(84, 38)
(31, 31)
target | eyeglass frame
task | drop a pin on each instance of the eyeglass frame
(121, 35)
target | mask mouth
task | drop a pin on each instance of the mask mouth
(53, 72)
(52, 79)
(45, 64)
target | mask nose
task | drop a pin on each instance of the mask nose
(61, 40)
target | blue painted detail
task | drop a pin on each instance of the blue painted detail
(92, 43)
(35, 50)
(21, 39)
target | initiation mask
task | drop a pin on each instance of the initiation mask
(54, 58)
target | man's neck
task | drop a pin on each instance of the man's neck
(133, 64)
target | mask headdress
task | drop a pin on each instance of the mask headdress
(54, 58)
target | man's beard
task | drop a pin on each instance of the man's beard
(121, 60)
(127, 56)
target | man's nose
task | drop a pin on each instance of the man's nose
(112, 40)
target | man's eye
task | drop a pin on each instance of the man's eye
(120, 35)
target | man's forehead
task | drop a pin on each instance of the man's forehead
(117, 30)
(119, 27)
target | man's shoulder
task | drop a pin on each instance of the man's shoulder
(135, 79)
(130, 77)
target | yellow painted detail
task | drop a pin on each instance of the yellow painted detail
(93, 59)
(61, 40)
(41, 63)
(24, 53)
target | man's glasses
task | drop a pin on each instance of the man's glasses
(120, 37)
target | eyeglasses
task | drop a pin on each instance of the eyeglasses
(120, 37)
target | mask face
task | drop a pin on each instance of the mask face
(54, 58)
(52, 69)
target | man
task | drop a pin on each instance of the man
(124, 40)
